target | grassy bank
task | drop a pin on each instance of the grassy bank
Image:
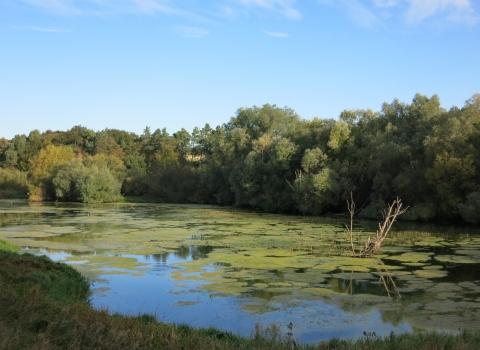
(5, 246)
(44, 305)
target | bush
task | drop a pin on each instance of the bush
(76, 182)
(420, 211)
(99, 185)
(112, 163)
(135, 183)
(470, 210)
(43, 168)
(374, 211)
(13, 183)
(175, 183)
(67, 179)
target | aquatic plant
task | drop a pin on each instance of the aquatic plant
(265, 262)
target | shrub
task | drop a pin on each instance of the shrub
(13, 183)
(99, 185)
(135, 183)
(470, 210)
(114, 164)
(76, 182)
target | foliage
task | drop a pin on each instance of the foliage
(135, 183)
(111, 162)
(108, 146)
(13, 183)
(76, 182)
(470, 210)
(270, 159)
(452, 178)
(171, 182)
(99, 185)
(44, 166)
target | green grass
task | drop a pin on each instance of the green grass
(417, 341)
(8, 247)
(44, 305)
(55, 281)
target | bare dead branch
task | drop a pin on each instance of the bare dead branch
(390, 216)
(351, 209)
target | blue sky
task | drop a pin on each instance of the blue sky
(128, 64)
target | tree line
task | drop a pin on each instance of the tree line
(270, 159)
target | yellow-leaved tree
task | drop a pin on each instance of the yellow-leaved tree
(43, 167)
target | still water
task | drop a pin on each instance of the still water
(207, 266)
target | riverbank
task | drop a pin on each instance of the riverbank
(45, 306)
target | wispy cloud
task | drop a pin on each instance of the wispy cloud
(284, 7)
(276, 34)
(65, 7)
(155, 6)
(360, 13)
(453, 9)
(385, 3)
(41, 29)
(368, 13)
(191, 32)
(99, 7)
(357, 11)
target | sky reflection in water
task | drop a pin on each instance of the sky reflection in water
(169, 300)
(175, 284)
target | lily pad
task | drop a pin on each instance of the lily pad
(456, 259)
(353, 268)
(431, 273)
(353, 276)
(412, 257)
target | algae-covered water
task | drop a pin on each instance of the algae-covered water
(211, 266)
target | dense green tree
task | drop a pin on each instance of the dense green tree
(76, 182)
(11, 157)
(470, 210)
(201, 143)
(32, 147)
(453, 179)
(183, 143)
(269, 158)
(135, 162)
(111, 162)
(67, 179)
(3, 148)
(260, 179)
(129, 142)
(107, 145)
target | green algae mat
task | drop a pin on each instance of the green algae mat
(261, 267)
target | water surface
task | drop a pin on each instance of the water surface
(210, 266)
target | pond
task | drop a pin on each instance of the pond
(226, 268)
